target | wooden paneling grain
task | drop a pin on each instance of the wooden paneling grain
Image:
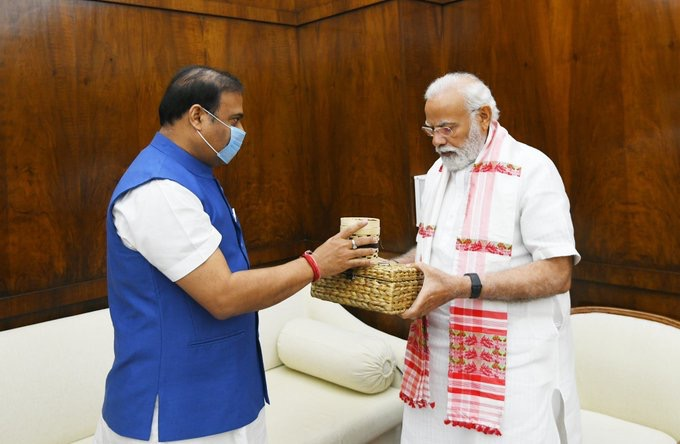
(42, 305)
(584, 293)
(269, 11)
(51, 226)
(364, 75)
(593, 84)
(84, 82)
(625, 118)
(358, 155)
(283, 12)
(313, 10)
(625, 276)
(519, 52)
(263, 183)
(423, 61)
(333, 105)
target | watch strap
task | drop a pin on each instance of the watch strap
(476, 288)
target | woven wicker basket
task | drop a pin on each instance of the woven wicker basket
(384, 288)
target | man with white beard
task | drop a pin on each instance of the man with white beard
(489, 357)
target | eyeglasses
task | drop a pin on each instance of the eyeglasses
(441, 130)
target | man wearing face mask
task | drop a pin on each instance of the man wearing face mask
(182, 296)
(489, 357)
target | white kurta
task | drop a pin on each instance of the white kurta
(166, 223)
(541, 403)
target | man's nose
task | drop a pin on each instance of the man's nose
(438, 140)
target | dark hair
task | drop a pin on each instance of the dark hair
(195, 84)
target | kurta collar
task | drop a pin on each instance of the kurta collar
(170, 148)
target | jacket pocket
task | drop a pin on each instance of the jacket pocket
(216, 339)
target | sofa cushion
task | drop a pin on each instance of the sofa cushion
(627, 367)
(323, 412)
(354, 360)
(599, 428)
(52, 378)
(273, 319)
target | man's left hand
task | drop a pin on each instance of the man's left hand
(438, 289)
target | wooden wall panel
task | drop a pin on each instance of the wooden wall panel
(363, 78)
(312, 10)
(264, 182)
(423, 61)
(268, 11)
(637, 160)
(84, 82)
(594, 85)
(586, 292)
(54, 211)
(41, 226)
(354, 127)
(628, 216)
(420, 29)
(333, 107)
(284, 12)
(518, 48)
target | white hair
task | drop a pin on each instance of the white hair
(475, 92)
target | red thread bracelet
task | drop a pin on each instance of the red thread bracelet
(307, 255)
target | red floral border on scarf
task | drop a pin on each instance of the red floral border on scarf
(497, 167)
(478, 354)
(426, 231)
(485, 246)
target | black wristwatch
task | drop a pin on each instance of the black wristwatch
(476, 289)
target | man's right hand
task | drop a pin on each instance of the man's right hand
(337, 255)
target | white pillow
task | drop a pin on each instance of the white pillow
(350, 359)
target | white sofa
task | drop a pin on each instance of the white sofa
(52, 377)
(628, 376)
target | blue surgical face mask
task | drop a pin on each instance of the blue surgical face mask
(231, 149)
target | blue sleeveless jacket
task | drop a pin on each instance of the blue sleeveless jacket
(208, 374)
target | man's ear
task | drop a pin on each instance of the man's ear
(484, 116)
(195, 115)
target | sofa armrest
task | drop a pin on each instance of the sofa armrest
(52, 378)
(626, 366)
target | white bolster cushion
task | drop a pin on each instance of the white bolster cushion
(350, 359)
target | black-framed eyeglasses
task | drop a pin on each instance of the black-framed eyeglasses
(441, 130)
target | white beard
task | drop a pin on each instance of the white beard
(460, 157)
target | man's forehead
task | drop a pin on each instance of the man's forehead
(445, 114)
(449, 98)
